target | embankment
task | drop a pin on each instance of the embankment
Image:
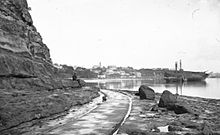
(30, 86)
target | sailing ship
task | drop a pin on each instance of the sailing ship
(183, 76)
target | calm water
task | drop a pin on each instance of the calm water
(208, 89)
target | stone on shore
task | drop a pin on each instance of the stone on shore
(206, 129)
(174, 128)
(146, 92)
(206, 123)
(167, 100)
(181, 108)
(81, 82)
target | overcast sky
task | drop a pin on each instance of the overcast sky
(138, 33)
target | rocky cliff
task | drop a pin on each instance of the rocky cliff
(23, 54)
(30, 86)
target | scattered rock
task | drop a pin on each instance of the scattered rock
(191, 124)
(163, 128)
(181, 108)
(81, 82)
(180, 120)
(175, 123)
(206, 129)
(167, 100)
(104, 98)
(142, 116)
(136, 132)
(154, 108)
(137, 94)
(146, 92)
(151, 115)
(174, 128)
(155, 129)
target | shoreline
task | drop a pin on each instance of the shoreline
(145, 121)
(162, 122)
(159, 94)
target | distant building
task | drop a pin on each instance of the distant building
(109, 71)
(95, 66)
(138, 74)
(122, 72)
(113, 67)
(102, 76)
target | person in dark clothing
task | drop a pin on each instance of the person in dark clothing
(74, 77)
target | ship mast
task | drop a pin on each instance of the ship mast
(180, 64)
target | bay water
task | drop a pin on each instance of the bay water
(210, 88)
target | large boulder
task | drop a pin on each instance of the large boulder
(146, 92)
(180, 108)
(167, 100)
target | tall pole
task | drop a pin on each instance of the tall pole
(181, 71)
(176, 66)
(180, 64)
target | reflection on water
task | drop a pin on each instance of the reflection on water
(179, 86)
(209, 88)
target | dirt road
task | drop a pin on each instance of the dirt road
(105, 119)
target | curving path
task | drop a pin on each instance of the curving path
(103, 120)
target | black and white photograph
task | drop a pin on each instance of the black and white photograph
(109, 67)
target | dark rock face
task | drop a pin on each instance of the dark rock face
(174, 128)
(181, 108)
(137, 94)
(167, 99)
(22, 53)
(154, 108)
(81, 82)
(30, 86)
(146, 92)
(17, 33)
